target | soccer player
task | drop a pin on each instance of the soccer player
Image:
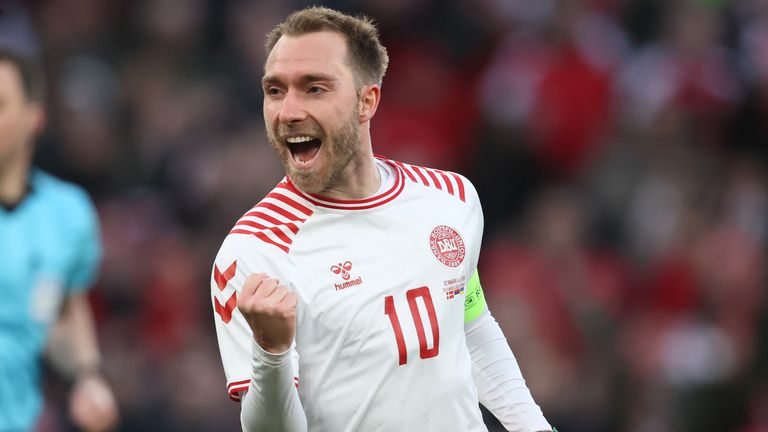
(348, 298)
(49, 252)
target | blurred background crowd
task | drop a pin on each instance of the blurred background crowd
(618, 146)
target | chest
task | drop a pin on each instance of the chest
(36, 255)
(397, 277)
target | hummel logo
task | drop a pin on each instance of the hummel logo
(342, 269)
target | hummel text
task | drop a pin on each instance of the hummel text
(348, 284)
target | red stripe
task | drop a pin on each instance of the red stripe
(290, 202)
(277, 231)
(223, 278)
(235, 387)
(237, 383)
(361, 201)
(421, 176)
(261, 215)
(375, 201)
(401, 185)
(447, 182)
(225, 310)
(434, 178)
(281, 211)
(407, 171)
(233, 393)
(261, 236)
(288, 185)
(461, 186)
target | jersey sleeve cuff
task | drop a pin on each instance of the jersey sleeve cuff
(271, 359)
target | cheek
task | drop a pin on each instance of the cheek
(11, 126)
(270, 111)
(267, 118)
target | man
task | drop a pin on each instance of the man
(49, 252)
(348, 298)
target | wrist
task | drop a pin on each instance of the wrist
(276, 359)
(270, 347)
(88, 371)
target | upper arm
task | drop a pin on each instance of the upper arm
(87, 250)
(474, 302)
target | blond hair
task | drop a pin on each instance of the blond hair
(364, 50)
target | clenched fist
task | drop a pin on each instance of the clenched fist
(270, 310)
(92, 405)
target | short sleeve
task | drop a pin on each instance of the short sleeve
(87, 241)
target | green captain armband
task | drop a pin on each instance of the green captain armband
(474, 304)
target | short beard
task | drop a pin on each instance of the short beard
(340, 146)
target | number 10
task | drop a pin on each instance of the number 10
(411, 295)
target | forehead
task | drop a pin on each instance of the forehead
(319, 52)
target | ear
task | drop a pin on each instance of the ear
(36, 118)
(369, 101)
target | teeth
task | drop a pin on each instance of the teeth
(298, 139)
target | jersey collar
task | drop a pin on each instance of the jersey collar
(362, 204)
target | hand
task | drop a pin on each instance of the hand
(92, 405)
(270, 310)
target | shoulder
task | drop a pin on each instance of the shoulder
(438, 181)
(273, 223)
(71, 201)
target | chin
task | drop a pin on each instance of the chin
(307, 181)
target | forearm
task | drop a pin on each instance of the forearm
(272, 402)
(73, 347)
(500, 384)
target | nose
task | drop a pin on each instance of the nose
(291, 109)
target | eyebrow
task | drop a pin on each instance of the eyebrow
(305, 79)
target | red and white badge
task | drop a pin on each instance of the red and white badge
(447, 245)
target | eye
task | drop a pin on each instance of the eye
(315, 90)
(271, 91)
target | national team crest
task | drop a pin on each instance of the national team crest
(447, 246)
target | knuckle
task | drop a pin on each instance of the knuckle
(255, 278)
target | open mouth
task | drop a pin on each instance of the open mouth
(304, 148)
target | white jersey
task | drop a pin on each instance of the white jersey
(380, 342)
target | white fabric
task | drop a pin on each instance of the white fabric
(346, 355)
(498, 379)
(386, 176)
(273, 375)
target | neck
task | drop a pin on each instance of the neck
(13, 180)
(359, 179)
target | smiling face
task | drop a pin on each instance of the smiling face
(311, 108)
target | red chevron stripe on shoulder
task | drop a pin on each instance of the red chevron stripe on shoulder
(446, 181)
(276, 219)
